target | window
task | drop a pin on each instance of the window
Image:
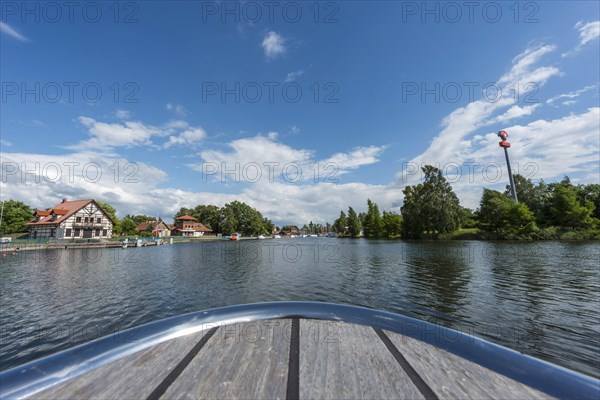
(86, 220)
(68, 232)
(97, 232)
(78, 232)
(104, 232)
(99, 220)
(52, 232)
(78, 220)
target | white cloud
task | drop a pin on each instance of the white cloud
(292, 76)
(177, 109)
(587, 33)
(515, 112)
(123, 114)
(356, 158)
(188, 137)
(7, 29)
(278, 161)
(5, 143)
(570, 95)
(273, 45)
(109, 135)
(449, 144)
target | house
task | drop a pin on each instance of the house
(156, 228)
(189, 226)
(71, 220)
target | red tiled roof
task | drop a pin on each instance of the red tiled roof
(64, 210)
(42, 213)
(186, 217)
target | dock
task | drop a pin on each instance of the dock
(203, 355)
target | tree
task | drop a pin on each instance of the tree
(109, 210)
(128, 226)
(590, 193)
(372, 224)
(391, 224)
(15, 216)
(354, 226)
(240, 217)
(209, 215)
(567, 211)
(468, 219)
(535, 197)
(340, 225)
(430, 208)
(501, 214)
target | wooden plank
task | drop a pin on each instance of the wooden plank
(246, 360)
(339, 360)
(133, 377)
(453, 377)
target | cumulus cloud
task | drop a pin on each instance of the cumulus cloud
(105, 135)
(177, 109)
(8, 30)
(278, 161)
(188, 137)
(273, 45)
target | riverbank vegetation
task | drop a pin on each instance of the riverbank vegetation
(431, 210)
(231, 218)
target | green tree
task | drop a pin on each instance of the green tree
(590, 192)
(340, 225)
(468, 218)
(535, 197)
(128, 226)
(240, 217)
(354, 226)
(372, 224)
(567, 211)
(15, 216)
(391, 224)
(501, 214)
(430, 208)
(109, 210)
(209, 215)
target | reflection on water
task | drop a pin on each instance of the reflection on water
(540, 298)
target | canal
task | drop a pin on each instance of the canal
(540, 298)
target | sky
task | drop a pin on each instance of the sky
(299, 109)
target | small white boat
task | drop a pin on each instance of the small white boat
(276, 236)
(261, 237)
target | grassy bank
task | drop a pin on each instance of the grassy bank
(549, 233)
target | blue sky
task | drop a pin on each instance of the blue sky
(154, 87)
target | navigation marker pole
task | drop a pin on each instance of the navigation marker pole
(504, 144)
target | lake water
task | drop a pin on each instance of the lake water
(540, 298)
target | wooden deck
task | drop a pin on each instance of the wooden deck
(291, 358)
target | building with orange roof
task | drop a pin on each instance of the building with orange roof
(77, 219)
(189, 226)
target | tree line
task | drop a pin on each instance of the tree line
(431, 209)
